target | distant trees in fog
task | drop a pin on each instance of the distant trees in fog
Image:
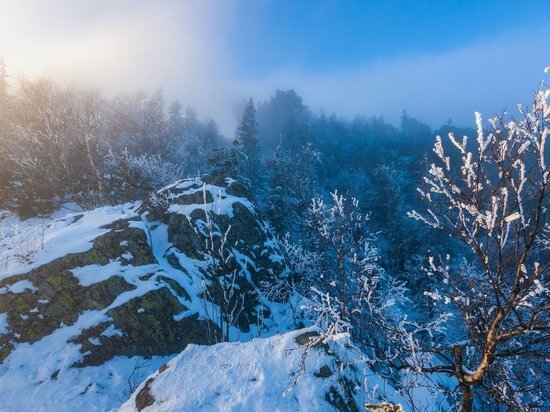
(62, 144)
(247, 147)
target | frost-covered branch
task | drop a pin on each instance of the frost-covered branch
(494, 198)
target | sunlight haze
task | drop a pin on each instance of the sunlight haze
(213, 54)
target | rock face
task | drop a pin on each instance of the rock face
(135, 282)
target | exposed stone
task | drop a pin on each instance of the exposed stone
(144, 398)
(324, 372)
(146, 325)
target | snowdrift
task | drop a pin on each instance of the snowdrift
(270, 374)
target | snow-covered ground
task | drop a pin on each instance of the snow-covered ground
(28, 244)
(39, 376)
(254, 376)
(93, 388)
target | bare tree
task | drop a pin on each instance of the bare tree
(223, 301)
(339, 230)
(494, 199)
(55, 151)
(90, 126)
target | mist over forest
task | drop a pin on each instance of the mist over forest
(250, 206)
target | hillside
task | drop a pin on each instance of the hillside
(92, 302)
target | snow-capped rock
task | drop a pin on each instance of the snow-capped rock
(92, 302)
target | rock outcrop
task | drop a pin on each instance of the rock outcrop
(135, 284)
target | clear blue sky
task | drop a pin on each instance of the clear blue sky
(329, 34)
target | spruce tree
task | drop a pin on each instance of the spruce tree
(247, 146)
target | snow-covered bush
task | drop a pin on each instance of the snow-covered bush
(293, 182)
(222, 300)
(132, 177)
(351, 295)
(349, 254)
(154, 170)
(348, 292)
(20, 242)
(301, 268)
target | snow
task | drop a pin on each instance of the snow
(185, 184)
(18, 287)
(253, 376)
(91, 274)
(222, 201)
(512, 217)
(111, 331)
(95, 341)
(248, 376)
(3, 323)
(44, 240)
(43, 370)
(30, 367)
(93, 388)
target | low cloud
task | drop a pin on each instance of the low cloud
(184, 48)
(485, 77)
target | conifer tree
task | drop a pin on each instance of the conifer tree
(247, 147)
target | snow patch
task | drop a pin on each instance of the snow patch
(253, 376)
(127, 256)
(111, 331)
(222, 201)
(91, 274)
(3, 323)
(18, 287)
(26, 245)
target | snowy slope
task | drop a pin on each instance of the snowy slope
(92, 302)
(258, 376)
(26, 245)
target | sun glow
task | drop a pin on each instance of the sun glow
(101, 46)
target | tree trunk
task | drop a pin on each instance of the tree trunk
(467, 402)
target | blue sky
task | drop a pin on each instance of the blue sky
(437, 59)
(326, 35)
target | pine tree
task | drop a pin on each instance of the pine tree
(247, 146)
